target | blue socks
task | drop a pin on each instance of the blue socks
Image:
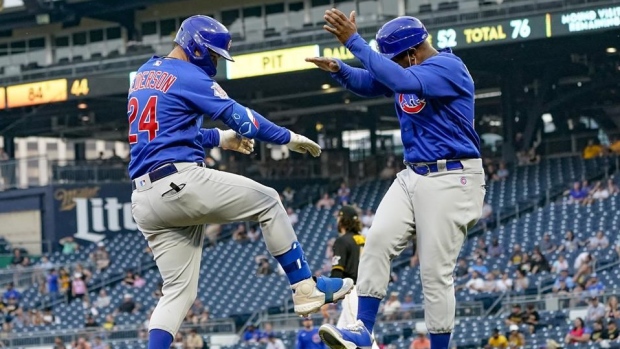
(367, 309)
(440, 340)
(294, 264)
(159, 339)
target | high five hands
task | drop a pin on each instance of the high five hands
(342, 28)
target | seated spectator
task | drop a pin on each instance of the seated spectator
(109, 322)
(490, 284)
(461, 271)
(264, 267)
(325, 202)
(600, 192)
(539, 263)
(68, 245)
(526, 264)
(491, 173)
(292, 216)
(266, 332)
(517, 255)
(90, 321)
(391, 308)
(251, 334)
(592, 150)
(194, 341)
(475, 284)
(595, 311)
(78, 286)
(497, 340)
(577, 194)
(594, 286)
(254, 233)
(197, 307)
(521, 282)
(504, 284)
(612, 188)
(274, 343)
(344, 194)
(11, 292)
(100, 257)
(578, 334)
(289, 195)
(17, 259)
(563, 283)
(129, 279)
(138, 281)
(421, 341)
(480, 267)
(487, 217)
(515, 338)
(82, 343)
(546, 245)
(495, 250)
(240, 235)
(128, 305)
(612, 311)
(481, 249)
(49, 317)
(516, 315)
(502, 172)
(212, 233)
(64, 279)
(583, 259)
(569, 244)
(59, 344)
(598, 241)
(560, 264)
(98, 343)
(103, 300)
(612, 330)
(407, 306)
(598, 332)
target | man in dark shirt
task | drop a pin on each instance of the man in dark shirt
(128, 305)
(612, 330)
(516, 316)
(598, 333)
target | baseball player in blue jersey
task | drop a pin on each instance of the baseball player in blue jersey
(308, 337)
(174, 195)
(439, 196)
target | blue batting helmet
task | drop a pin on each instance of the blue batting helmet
(399, 35)
(198, 35)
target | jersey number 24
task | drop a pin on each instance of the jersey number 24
(148, 118)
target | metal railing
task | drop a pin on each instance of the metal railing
(36, 274)
(128, 332)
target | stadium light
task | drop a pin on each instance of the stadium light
(326, 86)
(611, 50)
(82, 106)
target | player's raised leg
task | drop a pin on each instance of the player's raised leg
(440, 236)
(210, 196)
(389, 234)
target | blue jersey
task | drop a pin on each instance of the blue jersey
(434, 101)
(309, 339)
(166, 104)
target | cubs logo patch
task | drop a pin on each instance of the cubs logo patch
(218, 91)
(411, 104)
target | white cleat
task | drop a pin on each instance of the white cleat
(311, 294)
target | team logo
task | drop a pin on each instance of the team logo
(411, 104)
(218, 91)
(157, 63)
(335, 260)
(463, 180)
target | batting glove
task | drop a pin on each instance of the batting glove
(302, 144)
(230, 140)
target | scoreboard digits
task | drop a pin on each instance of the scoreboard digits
(36, 93)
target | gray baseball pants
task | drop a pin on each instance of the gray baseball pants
(438, 208)
(173, 224)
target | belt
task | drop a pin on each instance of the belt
(162, 172)
(424, 168)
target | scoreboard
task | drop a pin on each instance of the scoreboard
(60, 90)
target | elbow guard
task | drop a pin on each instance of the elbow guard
(246, 124)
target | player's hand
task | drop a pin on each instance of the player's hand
(230, 140)
(341, 26)
(328, 64)
(302, 144)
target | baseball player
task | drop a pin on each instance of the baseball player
(308, 336)
(439, 196)
(174, 195)
(347, 250)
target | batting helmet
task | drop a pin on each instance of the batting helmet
(198, 35)
(399, 35)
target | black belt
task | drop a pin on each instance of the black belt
(425, 168)
(162, 172)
